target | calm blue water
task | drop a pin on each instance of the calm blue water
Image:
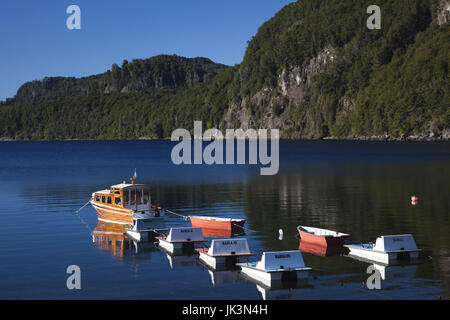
(361, 188)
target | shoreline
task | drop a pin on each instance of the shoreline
(361, 138)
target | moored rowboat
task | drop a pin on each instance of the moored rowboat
(233, 225)
(322, 237)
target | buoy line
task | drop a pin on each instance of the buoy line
(177, 214)
(77, 211)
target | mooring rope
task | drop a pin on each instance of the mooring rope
(177, 214)
(85, 224)
(77, 211)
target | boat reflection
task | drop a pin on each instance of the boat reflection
(320, 250)
(181, 261)
(186, 259)
(220, 233)
(392, 272)
(281, 290)
(224, 276)
(112, 237)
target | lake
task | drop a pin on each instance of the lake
(360, 188)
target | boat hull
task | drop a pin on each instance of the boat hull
(221, 262)
(323, 241)
(270, 279)
(232, 226)
(178, 248)
(113, 215)
(220, 233)
(359, 252)
(320, 250)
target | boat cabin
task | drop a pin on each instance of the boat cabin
(395, 243)
(181, 240)
(128, 196)
(280, 261)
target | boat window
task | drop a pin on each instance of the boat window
(103, 199)
(139, 196)
(97, 198)
(133, 197)
(126, 198)
(108, 200)
(117, 201)
(146, 197)
(116, 191)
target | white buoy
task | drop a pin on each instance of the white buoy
(281, 234)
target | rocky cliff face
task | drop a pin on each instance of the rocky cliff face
(268, 108)
(443, 14)
(154, 73)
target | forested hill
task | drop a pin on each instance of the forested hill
(314, 70)
(158, 72)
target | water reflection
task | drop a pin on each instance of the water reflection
(112, 237)
(324, 251)
(222, 274)
(219, 277)
(393, 272)
(181, 261)
(281, 290)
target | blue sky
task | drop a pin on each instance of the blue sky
(36, 43)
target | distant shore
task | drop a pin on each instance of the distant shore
(361, 138)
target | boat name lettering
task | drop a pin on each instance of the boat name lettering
(228, 242)
(281, 256)
(186, 230)
(397, 239)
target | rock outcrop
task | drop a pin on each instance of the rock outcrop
(443, 15)
(155, 73)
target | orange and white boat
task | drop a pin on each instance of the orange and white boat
(322, 237)
(234, 226)
(128, 205)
